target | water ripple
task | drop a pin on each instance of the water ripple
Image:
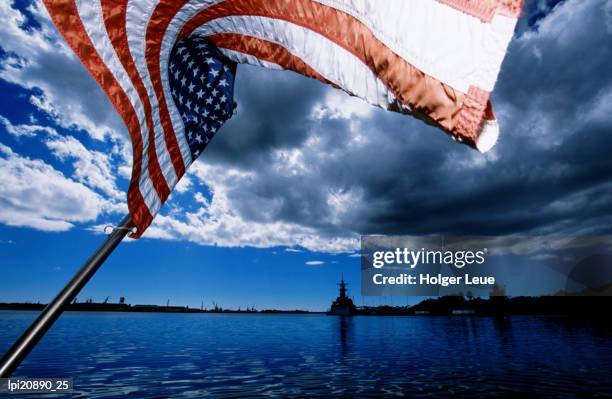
(116, 355)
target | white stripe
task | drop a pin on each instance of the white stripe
(332, 61)
(243, 58)
(137, 16)
(447, 44)
(91, 16)
(170, 35)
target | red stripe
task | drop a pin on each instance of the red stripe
(266, 51)
(156, 28)
(424, 94)
(66, 18)
(114, 13)
(475, 110)
(486, 10)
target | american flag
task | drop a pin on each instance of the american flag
(168, 66)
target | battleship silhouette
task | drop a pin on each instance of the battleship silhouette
(343, 305)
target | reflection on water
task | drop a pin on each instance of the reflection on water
(235, 356)
(346, 324)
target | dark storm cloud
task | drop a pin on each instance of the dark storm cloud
(534, 11)
(549, 172)
(273, 112)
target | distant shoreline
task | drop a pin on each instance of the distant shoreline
(578, 306)
(126, 308)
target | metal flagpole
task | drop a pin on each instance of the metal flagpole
(28, 340)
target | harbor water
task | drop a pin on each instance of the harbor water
(150, 355)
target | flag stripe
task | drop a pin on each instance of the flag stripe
(443, 42)
(419, 91)
(266, 51)
(114, 13)
(91, 14)
(244, 58)
(354, 74)
(138, 14)
(162, 15)
(486, 10)
(65, 16)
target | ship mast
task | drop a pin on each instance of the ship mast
(342, 288)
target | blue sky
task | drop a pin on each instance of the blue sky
(297, 175)
(37, 265)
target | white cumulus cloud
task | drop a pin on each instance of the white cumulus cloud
(314, 263)
(39, 58)
(36, 195)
